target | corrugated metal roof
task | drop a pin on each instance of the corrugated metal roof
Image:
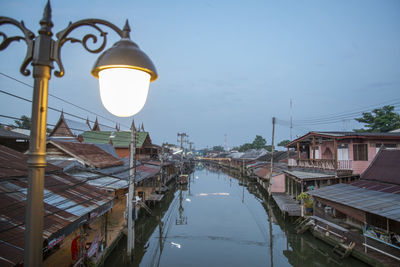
(65, 164)
(100, 181)
(22, 131)
(308, 175)
(146, 171)
(14, 163)
(109, 149)
(235, 155)
(117, 177)
(12, 135)
(92, 155)
(380, 203)
(67, 203)
(254, 154)
(385, 167)
(377, 186)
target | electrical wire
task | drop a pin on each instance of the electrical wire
(51, 108)
(60, 99)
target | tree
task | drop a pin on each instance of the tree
(245, 147)
(24, 122)
(284, 142)
(380, 120)
(259, 142)
(218, 148)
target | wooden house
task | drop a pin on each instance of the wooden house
(371, 205)
(121, 141)
(69, 128)
(342, 152)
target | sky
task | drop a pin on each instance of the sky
(225, 67)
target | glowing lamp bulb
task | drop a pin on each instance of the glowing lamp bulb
(123, 91)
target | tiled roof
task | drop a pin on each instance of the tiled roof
(90, 154)
(119, 139)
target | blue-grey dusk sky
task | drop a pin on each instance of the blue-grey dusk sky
(227, 66)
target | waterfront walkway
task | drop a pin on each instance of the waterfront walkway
(286, 204)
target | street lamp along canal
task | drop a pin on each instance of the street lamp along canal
(124, 61)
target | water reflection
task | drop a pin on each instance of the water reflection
(221, 220)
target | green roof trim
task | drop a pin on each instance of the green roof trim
(119, 139)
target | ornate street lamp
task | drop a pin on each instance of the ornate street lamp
(124, 73)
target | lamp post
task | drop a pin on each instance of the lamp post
(124, 62)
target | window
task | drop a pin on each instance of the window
(343, 152)
(360, 152)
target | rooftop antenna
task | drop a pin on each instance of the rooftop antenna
(225, 148)
(291, 119)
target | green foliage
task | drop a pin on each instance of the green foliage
(24, 122)
(380, 120)
(245, 147)
(284, 142)
(258, 143)
(308, 203)
(303, 196)
(166, 144)
(218, 148)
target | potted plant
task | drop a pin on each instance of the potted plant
(307, 202)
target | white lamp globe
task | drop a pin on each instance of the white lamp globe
(123, 91)
(124, 72)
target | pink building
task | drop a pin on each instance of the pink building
(345, 153)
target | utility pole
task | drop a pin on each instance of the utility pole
(190, 146)
(131, 193)
(291, 119)
(162, 169)
(225, 148)
(182, 136)
(272, 156)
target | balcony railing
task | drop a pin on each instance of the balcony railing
(325, 164)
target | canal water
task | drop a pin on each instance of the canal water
(219, 220)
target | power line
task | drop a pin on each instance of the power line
(331, 120)
(63, 100)
(393, 102)
(51, 108)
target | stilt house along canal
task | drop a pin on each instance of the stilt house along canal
(220, 220)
